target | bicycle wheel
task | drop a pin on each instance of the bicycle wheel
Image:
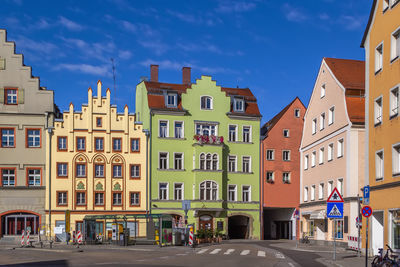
(376, 262)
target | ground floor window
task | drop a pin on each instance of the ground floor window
(310, 227)
(337, 229)
(15, 223)
(395, 229)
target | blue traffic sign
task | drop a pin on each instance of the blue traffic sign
(366, 195)
(334, 210)
(366, 211)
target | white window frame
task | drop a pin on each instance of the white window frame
(340, 148)
(394, 101)
(211, 102)
(64, 169)
(36, 138)
(78, 170)
(166, 191)
(286, 180)
(13, 94)
(321, 191)
(250, 133)
(393, 2)
(395, 45)
(297, 113)
(396, 159)
(330, 152)
(340, 186)
(273, 154)
(321, 155)
(323, 90)
(181, 189)
(322, 121)
(330, 187)
(235, 133)
(175, 99)
(288, 155)
(379, 57)
(159, 129)
(306, 159)
(212, 189)
(182, 161)
(10, 178)
(313, 158)
(201, 125)
(119, 170)
(331, 115)
(385, 5)
(378, 110)
(379, 169)
(234, 192)
(9, 137)
(314, 126)
(248, 191)
(135, 173)
(159, 155)
(286, 133)
(272, 178)
(312, 193)
(182, 131)
(235, 163)
(236, 101)
(249, 167)
(305, 194)
(96, 174)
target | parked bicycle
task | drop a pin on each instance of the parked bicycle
(305, 239)
(390, 259)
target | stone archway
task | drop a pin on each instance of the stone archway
(239, 227)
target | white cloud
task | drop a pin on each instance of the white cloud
(190, 18)
(101, 51)
(323, 16)
(124, 54)
(41, 47)
(235, 6)
(129, 26)
(69, 24)
(294, 14)
(157, 46)
(351, 22)
(85, 68)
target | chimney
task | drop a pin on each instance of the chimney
(153, 73)
(186, 75)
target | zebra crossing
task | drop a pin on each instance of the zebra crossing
(230, 251)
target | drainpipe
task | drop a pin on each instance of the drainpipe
(50, 131)
(147, 133)
(261, 151)
(149, 166)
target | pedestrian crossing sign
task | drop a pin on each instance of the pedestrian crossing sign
(335, 196)
(334, 210)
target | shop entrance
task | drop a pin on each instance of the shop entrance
(238, 227)
(206, 222)
(15, 223)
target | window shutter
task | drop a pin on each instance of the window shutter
(21, 95)
(1, 95)
(2, 63)
(346, 224)
(325, 225)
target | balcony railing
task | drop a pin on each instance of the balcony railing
(208, 139)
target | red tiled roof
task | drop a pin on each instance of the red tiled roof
(356, 109)
(350, 73)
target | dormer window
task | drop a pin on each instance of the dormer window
(171, 100)
(238, 105)
(10, 96)
(206, 102)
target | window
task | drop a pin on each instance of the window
(314, 126)
(337, 229)
(286, 133)
(286, 155)
(395, 45)
(270, 177)
(231, 163)
(322, 121)
(62, 143)
(246, 193)
(215, 162)
(321, 155)
(33, 137)
(34, 177)
(206, 129)
(62, 198)
(378, 57)
(163, 161)
(394, 102)
(238, 105)
(99, 122)
(80, 170)
(117, 144)
(208, 190)
(394, 2)
(62, 169)
(80, 143)
(270, 154)
(178, 161)
(7, 138)
(208, 161)
(134, 199)
(202, 161)
(394, 229)
(311, 227)
(322, 90)
(163, 132)
(135, 145)
(98, 199)
(99, 143)
(117, 199)
(178, 191)
(171, 100)
(396, 159)
(81, 198)
(330, 152)
(306, 162)
(206, 102)
(8, 177)
(116, 170)
(340, 186)
(99, 170)
(313, 155)
(297, 113)
(321, 191)
(10, 96)
(340, 148)
(178, 129)
(231, 192)
(163, 191)
(232, 133)
(286, 177)
(378, 111)
(246, 167)
(312, 193)
(135, 171)
(305, 194)
(330, 187)
(379, 165)
(246, 134)
(385, 5)
(331, 115)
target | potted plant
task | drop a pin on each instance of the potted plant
(209, 235)
(218, 235)
(200, 236)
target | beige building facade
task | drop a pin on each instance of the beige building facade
(332, 149)
(98, 167)
(26, 112)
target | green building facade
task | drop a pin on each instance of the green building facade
(203, 147)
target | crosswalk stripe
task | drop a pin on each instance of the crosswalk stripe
(229, 251)
(261, 253)
(245, 252)
(279, 256)
(215, 251)
(201, 251)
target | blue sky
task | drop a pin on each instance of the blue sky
(273, 47)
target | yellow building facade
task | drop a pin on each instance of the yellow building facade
(98, 167)
(382, 52)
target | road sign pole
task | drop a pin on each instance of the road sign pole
(334, 239)
(366, 243)
(359, 226)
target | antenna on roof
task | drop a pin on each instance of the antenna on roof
(113, 70)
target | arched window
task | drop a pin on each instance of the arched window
(206, 102)
(215, 162)
(202, 161)
(208, 190)
(208, 162)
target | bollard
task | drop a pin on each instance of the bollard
(23, 239)
(28, 240)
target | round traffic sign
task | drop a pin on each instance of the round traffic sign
(366, 211)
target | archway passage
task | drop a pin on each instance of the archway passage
(15, 223)
(238, 227)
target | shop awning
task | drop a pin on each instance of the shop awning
(318, 215)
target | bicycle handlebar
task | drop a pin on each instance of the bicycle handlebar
(390, 249)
